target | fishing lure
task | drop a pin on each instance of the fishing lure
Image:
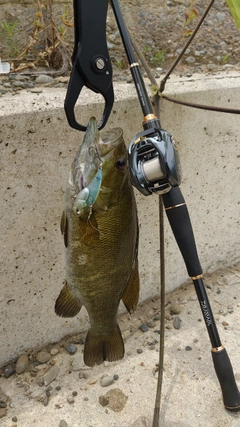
(88, 195)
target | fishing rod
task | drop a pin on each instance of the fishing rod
(153, 156)
(155, 168)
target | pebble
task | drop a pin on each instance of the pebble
(36, 90)
(71, 348)
(115, 376)
(175, 309)
(221, 16)
(150, 324)
(92, 381)
(54, 351)
(14, 419)
(177, 322)
(188, 348)
(70, 400)
(3, 397)
(106, 381)
(51, 375)
(103, 400)
(45, 400)
(139, 350)
(83, 374)
(143, 327)
(44, 79)
(224, 323)
(43, 356)
(190, 59)
(22, 364)
(9, 371)
(63, 424)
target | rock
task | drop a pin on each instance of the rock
(224, 323)
(43, 356)
(103, 400)
(9, 371)
(139, 350)
(63, 424)
(177, 322)
(92, 381)
(190, 60)
(150, 324)
(106, 381)
(221, 16)
(44, 79)
(22, 364)
(143, 327)
(45, 400)
(71, 348)
(84, 375)
(54, 351)
(3, 397)
(36, 90)
(188, 348)
(14, 419)
(51, 375)
(3, 412)
(70, 400)
(175, 309)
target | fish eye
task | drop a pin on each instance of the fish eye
(121, 163)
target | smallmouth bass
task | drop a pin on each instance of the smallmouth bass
(100, 228)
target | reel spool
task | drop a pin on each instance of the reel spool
(154, 162)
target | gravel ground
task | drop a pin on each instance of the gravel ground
(158, 27)
(55, 388)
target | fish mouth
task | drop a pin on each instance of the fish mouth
(97, 148)
(96, 153)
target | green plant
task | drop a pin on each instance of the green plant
(118, 64)
(225, 58)
(10, 32)
(157, 58)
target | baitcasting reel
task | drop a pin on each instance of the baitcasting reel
(154, 162)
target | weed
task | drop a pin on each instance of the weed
(10, 32)
(158, 58)
(118, 64)
(225, 58)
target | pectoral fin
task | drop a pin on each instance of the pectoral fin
(66, 304)
(131, 293)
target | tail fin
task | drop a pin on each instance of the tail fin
(103, 347)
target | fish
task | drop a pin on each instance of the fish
(101, 233)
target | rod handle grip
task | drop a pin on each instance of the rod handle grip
(180, 223)
(224, 371)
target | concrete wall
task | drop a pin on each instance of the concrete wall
(37, 147)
